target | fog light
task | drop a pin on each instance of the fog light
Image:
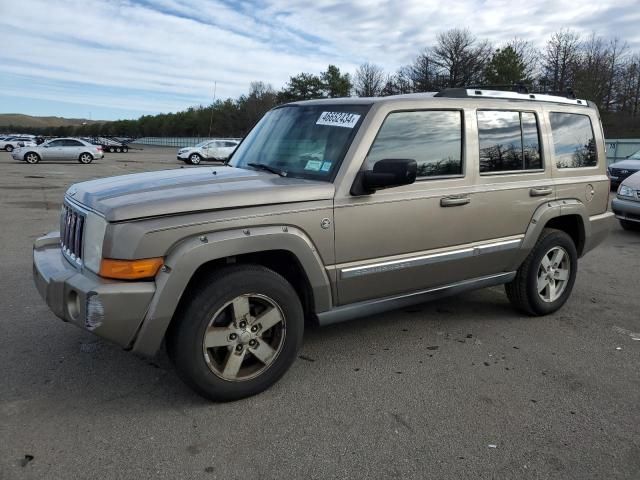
(95, 312)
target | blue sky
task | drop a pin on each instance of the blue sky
(109, 59)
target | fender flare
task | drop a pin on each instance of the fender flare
(542, 215)
(191, 253)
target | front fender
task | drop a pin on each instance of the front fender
(188, 255)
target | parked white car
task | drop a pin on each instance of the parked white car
(218, 150)
(11, 143)
(59, 149)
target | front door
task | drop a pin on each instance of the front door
(53, 150)
(412, 237)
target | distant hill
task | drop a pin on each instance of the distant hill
(28, 121)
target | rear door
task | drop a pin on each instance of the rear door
(513, 180)
(73, 149)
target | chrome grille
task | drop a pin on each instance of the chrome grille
(71, 230)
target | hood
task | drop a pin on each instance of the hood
(188, 190)
(633, 181)
(626, 164)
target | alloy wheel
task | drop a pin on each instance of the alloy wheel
(244, 337)
(553, 274)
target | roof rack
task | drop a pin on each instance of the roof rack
(569, 98)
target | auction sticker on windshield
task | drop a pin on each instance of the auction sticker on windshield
(338, 119)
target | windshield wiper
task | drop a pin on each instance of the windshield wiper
(268, 168)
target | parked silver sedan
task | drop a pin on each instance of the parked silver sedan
(60, 149)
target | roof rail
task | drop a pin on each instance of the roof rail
(569, 98)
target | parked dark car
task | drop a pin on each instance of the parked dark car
(625, 168)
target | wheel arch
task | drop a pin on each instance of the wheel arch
(286, 250)
(570, 216)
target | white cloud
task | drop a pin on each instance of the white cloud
(163, 48)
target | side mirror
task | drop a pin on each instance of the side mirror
(387, 173)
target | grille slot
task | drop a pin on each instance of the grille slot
(71, 228)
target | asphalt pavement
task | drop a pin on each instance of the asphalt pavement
(459, 388)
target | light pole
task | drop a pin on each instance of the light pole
(215, 84)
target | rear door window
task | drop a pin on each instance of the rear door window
(509, 141)
(574, 143)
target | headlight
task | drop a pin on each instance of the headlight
(94, 230)
(625, 191)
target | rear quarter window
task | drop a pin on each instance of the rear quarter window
(574, 144)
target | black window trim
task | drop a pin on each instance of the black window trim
(593, 133)
(463, 133)
(528, 171)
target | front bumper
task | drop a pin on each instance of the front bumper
(183, 156)
(111, 309)
(626, 209)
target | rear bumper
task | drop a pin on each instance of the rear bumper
(600, 227)
(110, 309)
(626, 209)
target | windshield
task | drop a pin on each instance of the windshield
(304, 141)
(202, 144)
(635, 156)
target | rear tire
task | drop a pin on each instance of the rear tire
(125, 149)
(545, 279)
(32, 158)
(118, 149)
(195, 159)
(112, 150)
(224, 309)
(632, 226)
(85, 158)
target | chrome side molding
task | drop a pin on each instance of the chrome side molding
(430, 258)
(372, 307)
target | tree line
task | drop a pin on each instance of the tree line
(604, 70)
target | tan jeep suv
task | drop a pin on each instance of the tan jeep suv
(327, 211)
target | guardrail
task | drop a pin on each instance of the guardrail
(177, 142)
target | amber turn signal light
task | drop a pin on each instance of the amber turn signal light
(130, 269)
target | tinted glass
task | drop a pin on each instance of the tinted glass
(432, 138)
(55, 143)
(509, 141)
(307, 141)
(72, 143)
(530, 141)
(573, 142)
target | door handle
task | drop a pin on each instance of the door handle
(454, 201)
(540, 192)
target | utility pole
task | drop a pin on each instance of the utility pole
(215, 84)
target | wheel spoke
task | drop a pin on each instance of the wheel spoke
(542, 283)
(240, 308)
(562, 274)
(217, 337)
(263, 352)
(546, 263)
(551, 292)
(269, 318)
(233, 364)
(558, 255)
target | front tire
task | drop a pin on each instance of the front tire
(195, 159)
(237, 332)
(545, 279)
(85, 158)
(32, 158)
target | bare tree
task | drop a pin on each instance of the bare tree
(369, 80)
(461, 57)
(560, 60)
